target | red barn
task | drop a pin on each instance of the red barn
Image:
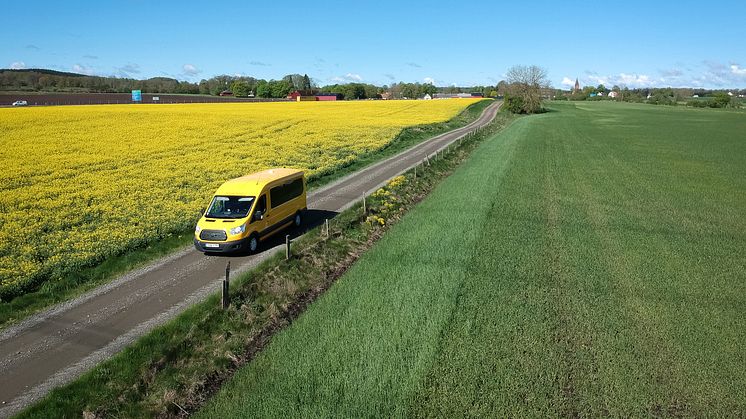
(327, 96)
(298, 93)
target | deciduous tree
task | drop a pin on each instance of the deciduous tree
(524, 88)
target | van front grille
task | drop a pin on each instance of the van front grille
(213, 235)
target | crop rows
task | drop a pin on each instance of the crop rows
(83, 183)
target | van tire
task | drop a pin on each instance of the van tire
(297, 219)
(253, 243)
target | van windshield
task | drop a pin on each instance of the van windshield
(230, 207)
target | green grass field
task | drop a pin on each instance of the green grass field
(588, 261)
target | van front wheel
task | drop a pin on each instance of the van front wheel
(253, 243)
(297, 220)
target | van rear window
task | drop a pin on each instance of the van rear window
(284, 193)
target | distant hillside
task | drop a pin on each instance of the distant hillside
(43, 80)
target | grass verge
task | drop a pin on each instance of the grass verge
(75, 284)
(175, 368)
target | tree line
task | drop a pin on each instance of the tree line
(42, 80)
(703, 98)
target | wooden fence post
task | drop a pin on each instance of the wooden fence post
(287, 247)
(225, 298)
(326, 222)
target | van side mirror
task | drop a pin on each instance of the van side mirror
(258, 216)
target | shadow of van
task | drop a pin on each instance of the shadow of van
(311, 218)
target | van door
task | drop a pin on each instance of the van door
(261, 207)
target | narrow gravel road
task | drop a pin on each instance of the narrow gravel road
(56, 346)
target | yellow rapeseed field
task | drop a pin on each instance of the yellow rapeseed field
(81, 183)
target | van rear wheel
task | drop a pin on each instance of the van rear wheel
(298, 219)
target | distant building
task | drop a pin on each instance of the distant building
(328, 96)
(477, 94)
(427, 96)
(385, 95)
(226, 93)
(577, 86)
(452, 95)
(613, 94)
(295, 93)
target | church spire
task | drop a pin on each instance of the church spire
(577, 85)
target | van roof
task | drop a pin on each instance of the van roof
(253, 184)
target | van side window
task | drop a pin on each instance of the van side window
(284, 193)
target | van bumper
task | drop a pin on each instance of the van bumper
(222, 247)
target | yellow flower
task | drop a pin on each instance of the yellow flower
(81, 183)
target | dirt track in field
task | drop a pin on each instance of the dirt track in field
(56, 346)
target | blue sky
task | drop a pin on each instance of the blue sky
(632, 43)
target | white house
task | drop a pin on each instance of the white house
(427, 96)
(613, 94)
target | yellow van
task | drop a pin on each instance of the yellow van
(251, 208)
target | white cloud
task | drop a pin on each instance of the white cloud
(596, 80)
(129, 69)
(566, 81)
(347, 78)
(672, 73)
(429, 80)
(737, 70)
(81, 69)
(190, 70)
(18, 65)
(634, 80)
(705, 74)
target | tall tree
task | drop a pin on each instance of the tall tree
(240, 88)
(524, 88)
(306, 82)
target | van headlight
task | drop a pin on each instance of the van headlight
(238, 230)
(197, 229)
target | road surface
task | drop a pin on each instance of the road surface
(54, 347)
